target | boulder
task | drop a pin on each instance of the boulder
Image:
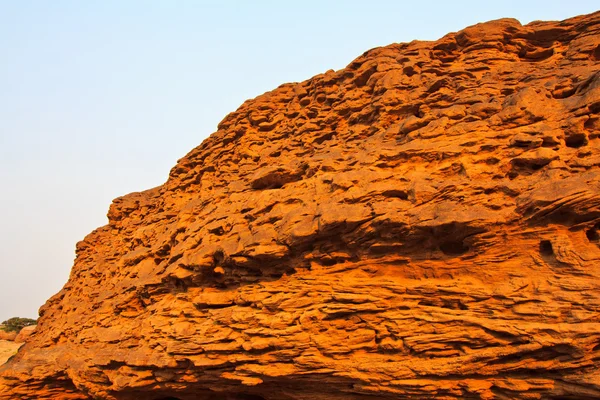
(25, 333)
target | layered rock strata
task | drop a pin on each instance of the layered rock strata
(424, 223)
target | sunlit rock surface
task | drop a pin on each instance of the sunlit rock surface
(424, 223)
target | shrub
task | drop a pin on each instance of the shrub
(15, 324)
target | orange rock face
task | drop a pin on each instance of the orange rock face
(25, 334)
(8, 336)
(421, 224)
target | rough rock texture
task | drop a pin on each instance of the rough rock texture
(18, 337)
(421, 224)
(25, 334)
(7, 335)
(8, 349)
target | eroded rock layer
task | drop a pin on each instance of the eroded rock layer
(424, 223)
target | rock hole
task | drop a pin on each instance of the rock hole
(594, 108)
(362, 79)
(218, 258)
(409, 71)
(564, 93)
(576, 140)
(164, 250)
(437, 85)
(538, 54)
(454, 248)
(253, 397)
(399, 194)
(217, 231)
(244, 396)
(592, 235)
(328, 261)
(276, 179)
(589, 124)
(179, 286)
(546, 248)
(453, 304)
(596, 53)
(325, 137)
(175, 258)
(536, 167)
(549, 141)
(529, 166)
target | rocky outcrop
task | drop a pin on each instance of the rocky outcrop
(424, 223)
(8, 348)
(10, 341)
(8, 336)
(19, 337)
(25, 333)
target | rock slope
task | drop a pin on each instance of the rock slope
(8, 349)
(424, 223)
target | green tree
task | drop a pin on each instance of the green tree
(15, 324)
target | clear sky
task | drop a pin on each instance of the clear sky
(100, 98)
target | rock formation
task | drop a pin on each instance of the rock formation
(8, 336)
(10, 341)
(8, 348)
(424, 223)
(25, 334)
(19, 337)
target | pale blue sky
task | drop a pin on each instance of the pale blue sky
(100, 98)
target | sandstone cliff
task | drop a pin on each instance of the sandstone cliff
(421, 224)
